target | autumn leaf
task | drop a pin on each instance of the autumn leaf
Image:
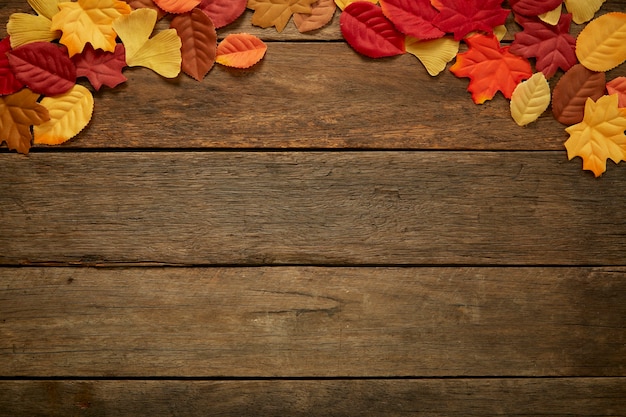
(161, 53)
(199, 42)
(490, 68)
(88, 21)
(223, 12)
(147, 4)
(101, 67)
(322, 12)
(601, 44)
(553, 16)
(552, 46)
(533, 8)
(530, 99)
(9, 84)
(18, 112)
(277, 12)
(583, 10)
(369, 32)
(44, 67)
(240, 50)
(177, 6)
(24, 28)
(572, 91)
(342, 4)
(618, 86)
(413, 17)
(434, 54)
(600, 136)
(463, 17)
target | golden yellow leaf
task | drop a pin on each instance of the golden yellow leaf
(553, 16)
(600, 136)
(24, 28)
(70, 113)
(601, 45)
(88, 21)
(161, 53)
(342, 4)
(530, 99)
(583, 10)
(434, 54)
(277, 12)
(47, 8)
(500, 32)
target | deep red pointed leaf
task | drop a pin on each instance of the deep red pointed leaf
(44, 67)
(8, 83)
(369, 32)
(101, 67)
(223, 12)
(552, 46)
(412, 17)
(533, 7)
(461, 17)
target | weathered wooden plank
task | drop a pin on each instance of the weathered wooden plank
(321, 322)
(344, 208)
(487, 397)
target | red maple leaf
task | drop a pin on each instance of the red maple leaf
(412, 17)
(8, 83)
(464, 16)
(222, 12)
(533, 7)
(490, 68)
(552, 46)
(101, 67)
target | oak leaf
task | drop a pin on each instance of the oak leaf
(18, 112)
(572, 91)
(463, 17)
(101, 67)
(199, 42)
(161, 53)
(9, 84)
(530, 99)
(601, 44)
(88, 21)
(277, 12)
(44, 67)
(240, 50)
(583, 10)
(223, 12)
(412, 17)
(177, 6)
(434, 54)
(600, 136)
(322, 12)
(490, 68)
(618, 86)
(532, 8)
(369, 32)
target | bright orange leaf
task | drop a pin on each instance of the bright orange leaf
(277, 12)
(18, 112)
(240, 50)
(177, 6)
(600, 136)
(618, 86)
(490, 68)
(322, 12)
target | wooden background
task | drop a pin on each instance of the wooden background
(320, 235)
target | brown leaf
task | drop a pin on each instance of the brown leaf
(199, 42)
(571, 93)
(18, 112)
(322, 12)
(277, 12)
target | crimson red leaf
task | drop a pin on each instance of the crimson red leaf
(44, 67)
(101, 67)
(223, 12)
(369, 32)
(412, 17)
(8, 83)
(199, 42)
(572, 91)
(533, 7)
(463, 17)
(552, 46)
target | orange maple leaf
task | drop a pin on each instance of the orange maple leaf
(490, 68)
(277, 12)
(18, 112)
(600, 136)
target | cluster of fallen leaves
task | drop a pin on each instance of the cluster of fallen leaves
(46, 52)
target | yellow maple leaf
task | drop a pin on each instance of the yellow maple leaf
(600, 136)
(530, 99)
(24, 28)
(18, 112)
(434, 54)
(69, 114)
(277, 12)
(88, 21)
(161, 53)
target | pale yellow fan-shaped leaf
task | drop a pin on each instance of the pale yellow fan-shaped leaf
(70, 113)
(553, 16)
(161, 53)
(530, 99)
(24, 28)
(500, 32)
(583, 10)
(342, 4)
(47, 8)
(433, 54)
(601, 46)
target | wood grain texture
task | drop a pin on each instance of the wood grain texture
(485, 398)
(312, 322)
(312, 208)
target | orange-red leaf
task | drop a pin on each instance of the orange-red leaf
(572, 91)
(322, 12)
(618, 86)
(240, 50)
(223, 12)
(177, 6)
(18, 112)
(490, 68)
(199, 42)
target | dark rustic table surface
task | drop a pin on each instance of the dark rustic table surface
(322, 234)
